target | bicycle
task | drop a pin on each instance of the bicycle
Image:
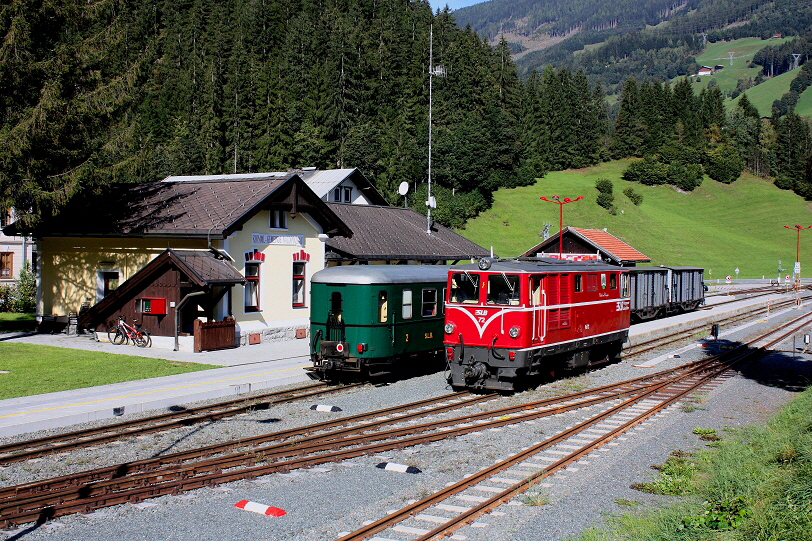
(124, 332)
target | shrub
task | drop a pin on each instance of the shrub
(606, 200)
(5, 298)
(685, 177)
(677, 153)
(633, 196)
(24, 291)
(784, 182)
(724, 164)
(604, 186)
(648, 171)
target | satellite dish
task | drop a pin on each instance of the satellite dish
(403, 189)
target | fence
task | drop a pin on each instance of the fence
(215, 335)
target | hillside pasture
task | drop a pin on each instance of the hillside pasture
(717, 226)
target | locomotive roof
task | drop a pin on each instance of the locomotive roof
(543, 265)
(381, 274)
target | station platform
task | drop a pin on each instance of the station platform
(240, 370)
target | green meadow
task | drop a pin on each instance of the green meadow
(718, 227)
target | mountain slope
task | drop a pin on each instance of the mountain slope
(717, 226)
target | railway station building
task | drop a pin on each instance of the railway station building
(192, 255)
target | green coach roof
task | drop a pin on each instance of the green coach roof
(381, 274)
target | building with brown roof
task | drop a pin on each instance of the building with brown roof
(271, 228)
(154, 251)
(595, 243)
(395, 235)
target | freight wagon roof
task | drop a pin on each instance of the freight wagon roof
(543, 265)
(664, 268)
(381, 274)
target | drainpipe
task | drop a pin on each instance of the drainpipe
(177, 310)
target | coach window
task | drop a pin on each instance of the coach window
(407, 304)
(578, 283)
(613, 281)
(383, 306)
(503, 289)
(465, 288)
(429, 302)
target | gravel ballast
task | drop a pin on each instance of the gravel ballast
(324, 501)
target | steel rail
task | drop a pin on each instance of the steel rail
(178, 480)
(26, 449)
(217, 475)
(454, 523)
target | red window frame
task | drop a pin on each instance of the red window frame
(252, 283)
(298, 284)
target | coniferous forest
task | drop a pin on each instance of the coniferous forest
(108, 91)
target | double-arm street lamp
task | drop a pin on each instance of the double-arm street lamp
(561, 202)
(797, 269)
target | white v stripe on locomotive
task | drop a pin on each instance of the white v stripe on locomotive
(481, 327)
(551, 344)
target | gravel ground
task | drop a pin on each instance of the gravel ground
(322, 502)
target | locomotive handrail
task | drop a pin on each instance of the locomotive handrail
(493, 349)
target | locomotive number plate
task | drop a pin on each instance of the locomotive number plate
(622, 306)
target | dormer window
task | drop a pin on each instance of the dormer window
(342, 194)
(279, 219)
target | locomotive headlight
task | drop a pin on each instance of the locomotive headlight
(513, 332)
(449, 328)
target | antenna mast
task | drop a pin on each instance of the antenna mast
(440, 72)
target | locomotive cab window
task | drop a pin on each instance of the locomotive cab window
(578, 283)
(613, 281)
(624, 285)
(535, 288)
(465, 288)
(429, 302)
(407, 304)
(503, 289)
(603, 281)
(383, 306)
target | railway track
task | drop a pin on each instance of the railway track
(58, 443)
(632, 350)
(451, 507)
(247, 459)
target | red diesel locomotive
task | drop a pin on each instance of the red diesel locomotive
(508, 321)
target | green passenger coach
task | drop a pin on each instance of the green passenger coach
(367, 319)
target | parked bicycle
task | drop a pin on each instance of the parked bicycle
(123, 332)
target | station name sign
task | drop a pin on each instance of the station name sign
(276, 239)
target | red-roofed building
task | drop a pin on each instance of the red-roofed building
(580, 244)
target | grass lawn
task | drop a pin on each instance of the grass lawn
(33, 369)
(14, 322)
(762, 96)
(717, 226)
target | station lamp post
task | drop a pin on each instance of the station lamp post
(797, 269)
(561, 202)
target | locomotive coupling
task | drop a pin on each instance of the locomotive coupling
(475, 372)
